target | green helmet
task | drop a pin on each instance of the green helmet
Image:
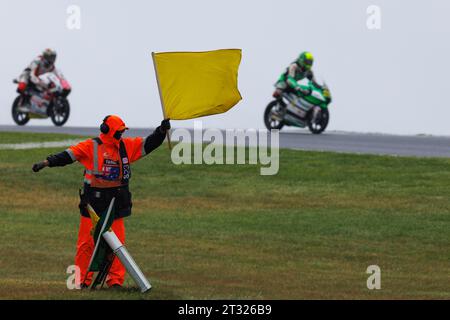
(305, 60)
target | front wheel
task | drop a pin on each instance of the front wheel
(273, 118)
(60, 112)
(319, 126)
(19, 117)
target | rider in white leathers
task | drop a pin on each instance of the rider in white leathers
(42, 64)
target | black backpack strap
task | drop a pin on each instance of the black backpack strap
(98, 140)
(125, 161)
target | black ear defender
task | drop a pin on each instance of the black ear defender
(104, 128)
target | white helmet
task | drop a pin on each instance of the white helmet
(49, 57)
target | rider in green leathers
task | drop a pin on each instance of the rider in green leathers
(298, 70)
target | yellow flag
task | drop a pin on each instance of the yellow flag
(197, 84)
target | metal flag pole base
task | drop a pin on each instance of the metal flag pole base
(124, 256)
(119, 251)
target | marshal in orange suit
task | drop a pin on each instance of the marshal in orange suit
(107, 161)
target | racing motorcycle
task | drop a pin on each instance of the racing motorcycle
(51, 102)
(307, 109)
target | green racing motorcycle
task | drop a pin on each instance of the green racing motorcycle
(307, 109)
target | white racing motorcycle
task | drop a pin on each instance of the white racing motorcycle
(51, 102)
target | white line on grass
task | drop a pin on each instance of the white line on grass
(37, 145)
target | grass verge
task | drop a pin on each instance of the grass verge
(221, 231)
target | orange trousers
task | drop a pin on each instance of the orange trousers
(85, 249)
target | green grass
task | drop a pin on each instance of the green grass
(221, 231)
(20, 137)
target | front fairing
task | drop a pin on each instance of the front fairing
(320, 93)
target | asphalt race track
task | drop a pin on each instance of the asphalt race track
(420, 146)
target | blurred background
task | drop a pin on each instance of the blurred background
(392, 80)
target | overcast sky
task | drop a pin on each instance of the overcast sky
(392, 80)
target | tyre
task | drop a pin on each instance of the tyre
(273, 118)
(20, 118)
(60, 112)
(319, 127)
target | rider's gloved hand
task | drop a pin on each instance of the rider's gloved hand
(40, 165)
(305, 92)
(165, 125)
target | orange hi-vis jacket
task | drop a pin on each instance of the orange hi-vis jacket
(107, 163)
(104, 165)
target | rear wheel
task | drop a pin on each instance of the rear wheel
(319, 126)
(273, 115)
(20, 118)
(60, 112)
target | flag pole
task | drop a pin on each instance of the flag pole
(161, 99)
